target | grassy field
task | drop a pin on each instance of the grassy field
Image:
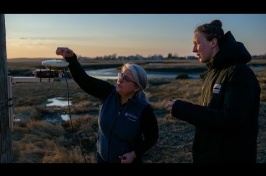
(38, 141)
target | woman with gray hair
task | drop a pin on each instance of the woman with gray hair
(127, 125)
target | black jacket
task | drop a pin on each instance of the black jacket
(226, 121)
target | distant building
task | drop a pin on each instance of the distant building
(191, 57)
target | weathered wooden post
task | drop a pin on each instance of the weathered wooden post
(5, 130)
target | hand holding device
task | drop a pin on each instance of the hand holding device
(64, 51)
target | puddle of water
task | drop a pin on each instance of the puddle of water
(58, 116)
(65, 117)
(57, 101)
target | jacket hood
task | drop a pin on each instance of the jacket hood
(230, 53)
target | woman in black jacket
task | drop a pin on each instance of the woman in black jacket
(226, 121)
(127, 125)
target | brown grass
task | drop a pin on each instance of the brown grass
(73, 141)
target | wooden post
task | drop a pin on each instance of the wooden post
(5, 131)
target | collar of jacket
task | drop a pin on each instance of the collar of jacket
(231, 52)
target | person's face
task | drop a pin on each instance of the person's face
(202, 47)
(126, 85)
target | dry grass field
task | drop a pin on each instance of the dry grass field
(37, 141)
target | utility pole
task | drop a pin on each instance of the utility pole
(5, 130)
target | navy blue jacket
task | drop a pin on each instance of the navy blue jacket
(122, 129)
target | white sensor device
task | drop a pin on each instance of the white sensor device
(55, 64)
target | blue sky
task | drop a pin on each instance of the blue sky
(91, 35)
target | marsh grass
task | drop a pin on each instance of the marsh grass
(73, 141)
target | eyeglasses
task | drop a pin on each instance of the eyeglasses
(125, 78)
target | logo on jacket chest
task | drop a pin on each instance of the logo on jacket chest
(131, 117)
(216, 88)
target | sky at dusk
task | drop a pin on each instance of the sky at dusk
(91, 35)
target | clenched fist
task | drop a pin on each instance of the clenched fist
(64, 51)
